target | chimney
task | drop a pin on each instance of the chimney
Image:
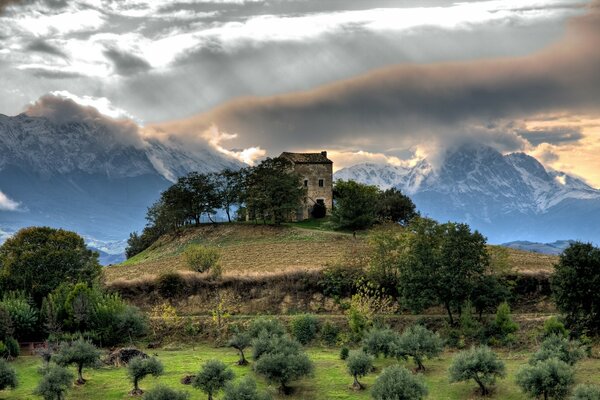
(324, 153)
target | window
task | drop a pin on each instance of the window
(321, 183)
(306, 183)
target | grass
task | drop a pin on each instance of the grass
(257, 249)
(330, 380)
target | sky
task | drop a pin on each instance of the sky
(379, 81)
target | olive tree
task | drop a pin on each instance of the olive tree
(55, 383)
(8, 376)
(420, 343)
(586, 392)
(165, 393)
(212, 377)
(202, 258)
(240, 341)
(559, 347)
(80, 353)
(478, 363)
(359, 364)
(304, 328)
(381, 341)
(551, 378)
(244, 390)
(139, 367)
(398, 383)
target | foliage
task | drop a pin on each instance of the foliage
(240, 341)
(381, 341)
(37, 260)
(163, 319)
(551, 378)
(488, 292)
(55, 382)
(419, 343)
(355, 205)
(8, 376)
(561, 348)
(386, 257)
(503, 325)
(393, 206)
(398, 383)
(575, 286)
(138, 368)
(170, 285)
(229, 186)
(339, 280)
(212, 377)
(344, 353)
(554, 327)
(270, 326)
(6, 325)
(9, 348)
(330, 333)
(244, 390)
(359, 364)
(366, 307)
(165, 393)
(80, 353)
(23, 314)
(304, 328)
(586, 392)
(478, 363)
(202, 258)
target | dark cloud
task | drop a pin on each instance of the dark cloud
(42, 46)
(53, 74)
(125, 63)
(6, 3)
(555, 135)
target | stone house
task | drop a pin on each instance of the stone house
(316, 173)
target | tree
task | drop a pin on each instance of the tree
(398, 383)
(359, 364)
(244, 390)
(551, 378)
(575, 286)
(355, 205)
(586, 392)
(480, 364)
(212, 377)
(165, 393)
(420, 343)
(503, 325)
(8, 376)
(561, 348)
(488, 292)
(55, 383)
(80, 353)
(393, 206)
(139, 367)
(229, 185)
(270, 326)
(304, 328)
(37, 260)
(381, 341)
(202, 258)
(240, 341)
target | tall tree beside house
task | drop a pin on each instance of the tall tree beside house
(355, 205)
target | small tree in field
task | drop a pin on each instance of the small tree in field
(55, 383)
(80, 353)
(586, 392)
(240, 341)
(202, 258)
(550, 378)
(420, 343)
(8, 376)
(138, 368)
(245, 390)
(359, 364)
(165, 393)
(398, 383)
(480, 364)
(304, 328)
(561, 348)
(381, 341)
(212, 377)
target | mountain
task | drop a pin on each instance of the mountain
(554, 248)
(507, 197)
(93, 175)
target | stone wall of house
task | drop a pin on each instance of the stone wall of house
(310, 174)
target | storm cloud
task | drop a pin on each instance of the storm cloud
(126, 63)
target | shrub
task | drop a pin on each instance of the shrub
(244, 390)
(419, 343)
(339, 280)
(201, 258)
(23, 314)
(240, 341)
(549, 378)
(80, 353)
(212, 377)
(344, 353)
(8, 376)
(359, 364)
(554, 327)
(304, 328)
(10, 348)
(170, 285)
(165, 393)
(270, 326)
(480, 364)
(398, 383)
(55, 383)
(586, 392)
(138, 368)
(381, 341)
(561, 348)
(330, 333)
(504, 326)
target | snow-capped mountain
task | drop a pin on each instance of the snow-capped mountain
(507, 197)
(93, 175)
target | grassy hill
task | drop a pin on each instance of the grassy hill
(249, 250)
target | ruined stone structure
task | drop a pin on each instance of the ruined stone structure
(316, 173)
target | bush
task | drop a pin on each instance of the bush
(339, 280)
(165, 393)
(80, 353)
(419, 343)
(561, 348)
(8, 376)
(330, 333)
(549, 378)
(270, 326)
(554, 327)
(201, 258)
(212, 377)
(398, 383)
(359, 364)
(304, 328)
(240, 341)
(480, 364)
(170, 285)
(244, 390)
(586, 392)
(344, 353)
(9, 348)
(55, 383)
(23, 314)
(381, 341)
(503, 325)
(138, 368)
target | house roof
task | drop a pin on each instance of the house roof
(307, 158)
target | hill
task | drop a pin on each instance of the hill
(250, 250)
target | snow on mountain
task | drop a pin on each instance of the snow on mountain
(383, 175)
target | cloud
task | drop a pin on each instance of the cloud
(6, 3)
(126, 63)
(42, 46)
(7, 204)
(553, 135)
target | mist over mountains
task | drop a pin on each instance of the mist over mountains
(507, 197)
